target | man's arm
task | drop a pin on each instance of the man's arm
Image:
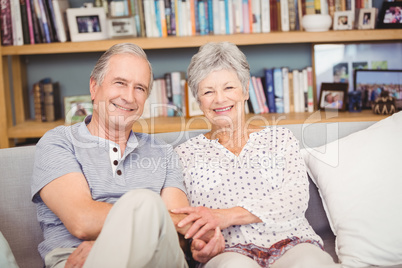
(70, 199)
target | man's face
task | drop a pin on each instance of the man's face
(119, 100)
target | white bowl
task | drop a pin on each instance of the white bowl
(316, 22)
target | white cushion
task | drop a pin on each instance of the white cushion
(360, 181)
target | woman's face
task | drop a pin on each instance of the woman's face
(221, 98)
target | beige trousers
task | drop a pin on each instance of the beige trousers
(138, 232)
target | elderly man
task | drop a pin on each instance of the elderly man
(97, 205)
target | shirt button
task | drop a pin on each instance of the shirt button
(115, 162)
(115, 149)
(119, 172)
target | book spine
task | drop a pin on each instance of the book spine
(168, 13)
(24, 22)
(310, 94)
(253, 98)
(258, 94)
(52, 20)
(30, 22)
(222, 18)
(215, 16)
(292, 15)
(169, 93)
(158, 17)
(6, 24)
(173, 17)
(270, 91)
(284, 15)
(44, 21)
(18, 38)
(48, 101)
(278, 88)
(286, 94)
(260, 87)
(202, 18)
(256, 11)
(265, 17)
(246, 21)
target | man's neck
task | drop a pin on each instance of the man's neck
(109, 131)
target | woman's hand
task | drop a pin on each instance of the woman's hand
(203, 220)
(203, 252)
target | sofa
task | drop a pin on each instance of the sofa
(21, 230)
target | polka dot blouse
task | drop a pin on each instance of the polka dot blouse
(268, 178)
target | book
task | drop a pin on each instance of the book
(256, 14)
(255, 107)
(286, 89)
(310, 90)
(246, 19)
(30, 22)
(284, 15)
(60, 7)
(6, 24)
(278, 89)
(262, 93)
(16, 23)
(178, 92)
(265, 17)
(169, 94)
(44, 21)
(38, 102)
(269, 89)
(259, 92)
(48, 100)
(296, 91)
(24, 22)
(291, 92)
(238, 16)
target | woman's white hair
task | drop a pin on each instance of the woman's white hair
(215, 57)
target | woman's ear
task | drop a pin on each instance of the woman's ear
(247, 94)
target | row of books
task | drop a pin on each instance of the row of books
(33, 21)
(282, 90)
(46, 99)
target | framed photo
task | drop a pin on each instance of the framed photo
(390, 15)
(343, 20)
(87, 24)
(333, 96)
(367, 18)
(372, 82)
(121, 26)
(76, 108)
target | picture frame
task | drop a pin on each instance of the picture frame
(333, 96)
(390, 16)
(371, 82)
(343, 20)
(76, 108)
(367, 18)
(121, 26)
(87, 24)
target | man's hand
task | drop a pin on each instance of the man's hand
(79, 256)
(203, 252)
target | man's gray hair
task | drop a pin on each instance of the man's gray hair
(215, 57)
(101, 67)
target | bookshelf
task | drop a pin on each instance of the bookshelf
(16, 98)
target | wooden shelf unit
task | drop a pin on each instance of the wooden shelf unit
(23, 128)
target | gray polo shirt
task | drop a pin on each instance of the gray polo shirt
(147, 163)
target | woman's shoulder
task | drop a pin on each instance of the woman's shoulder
(191, 143)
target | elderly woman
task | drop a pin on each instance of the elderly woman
(247, 180)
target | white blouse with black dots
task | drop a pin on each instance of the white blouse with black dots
(268, 178)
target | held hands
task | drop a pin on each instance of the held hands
(203, 252)
(79, 256)
(203, 220)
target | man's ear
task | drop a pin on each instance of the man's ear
(92, 88)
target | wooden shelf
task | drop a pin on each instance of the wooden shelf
(196, 41)
(32, 129)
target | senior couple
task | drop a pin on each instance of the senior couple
(97, 209)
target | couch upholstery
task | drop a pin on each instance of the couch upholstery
(18, 221)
